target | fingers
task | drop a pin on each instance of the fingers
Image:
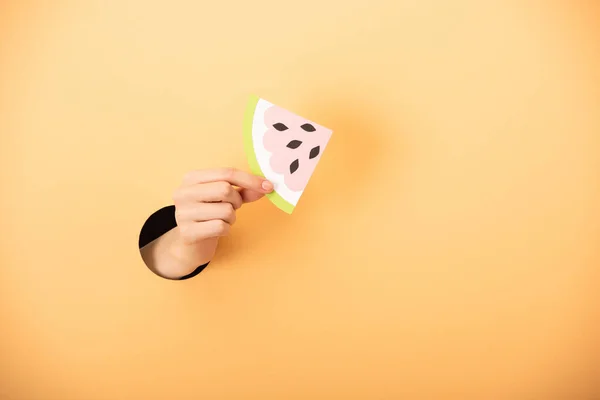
(207, 201)
(200, 221)
(209, 192)
(206, 212)
(233, 176)
(196, 232)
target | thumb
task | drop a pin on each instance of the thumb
(249, 195)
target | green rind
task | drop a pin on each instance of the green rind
(248, 144)
(280, 202)
(274, 197)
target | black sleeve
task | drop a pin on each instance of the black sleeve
(157, 225)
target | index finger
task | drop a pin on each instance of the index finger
(233, 176)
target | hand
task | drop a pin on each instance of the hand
(205, 208)
(207, 201)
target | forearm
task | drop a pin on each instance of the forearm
(168, 256)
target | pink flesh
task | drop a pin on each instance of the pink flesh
(282, 156)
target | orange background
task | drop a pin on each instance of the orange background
(447, 246)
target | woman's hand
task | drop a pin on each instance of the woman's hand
(205, 208)
(207, 201)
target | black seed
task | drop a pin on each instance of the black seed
(314, 152)
(308, 127)
(280, 127)
(294, 144)
(294, 166)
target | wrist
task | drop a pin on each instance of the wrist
(191, 255)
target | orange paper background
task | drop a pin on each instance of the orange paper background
(447, 246)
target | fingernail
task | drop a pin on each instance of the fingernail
(267, 186)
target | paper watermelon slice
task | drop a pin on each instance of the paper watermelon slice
(284, 148)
